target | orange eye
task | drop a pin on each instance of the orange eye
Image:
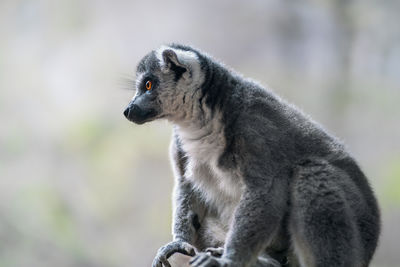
(148, 85)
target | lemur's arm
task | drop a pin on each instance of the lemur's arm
(265, 196)
(262, 205)
(186, 217)
(254, 226)
(256, 222)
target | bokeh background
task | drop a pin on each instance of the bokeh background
(82, 186)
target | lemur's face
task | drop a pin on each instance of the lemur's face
(164, 81)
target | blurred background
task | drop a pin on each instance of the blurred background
(82, 186)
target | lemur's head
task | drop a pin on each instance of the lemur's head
(166, 80)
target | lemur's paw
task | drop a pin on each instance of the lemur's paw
(169, 249)
(205, 259)
(216, 252)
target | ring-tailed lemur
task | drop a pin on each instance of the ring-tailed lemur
(258, 183)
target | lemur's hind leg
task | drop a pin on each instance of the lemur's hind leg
(322, 224)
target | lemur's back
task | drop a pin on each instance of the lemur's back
(299, 140)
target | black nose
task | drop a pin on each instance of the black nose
(126, 112)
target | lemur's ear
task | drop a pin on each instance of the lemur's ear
(184, 64)
(171, 58)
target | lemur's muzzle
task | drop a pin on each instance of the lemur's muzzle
(138, 115)
(127, 111)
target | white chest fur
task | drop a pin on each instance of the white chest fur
(204, 147)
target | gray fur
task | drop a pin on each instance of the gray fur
(257, 182)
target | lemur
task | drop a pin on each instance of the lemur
(257, 182)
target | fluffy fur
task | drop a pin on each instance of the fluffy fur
(257, 182)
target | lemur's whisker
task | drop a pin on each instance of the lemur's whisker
(127, 83)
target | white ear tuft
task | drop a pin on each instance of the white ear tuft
(169, 56)
(179, 57)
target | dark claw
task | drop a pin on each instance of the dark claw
(216, 252)
(205, 259)
(199, 259)
(193, 260)
(165, 262)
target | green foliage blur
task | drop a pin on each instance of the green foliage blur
(82, 186)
